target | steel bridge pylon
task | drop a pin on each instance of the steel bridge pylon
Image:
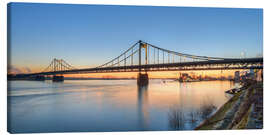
(57, 66)
(142, 78)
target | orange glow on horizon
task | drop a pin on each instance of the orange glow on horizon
(163, 74)
(160, 74)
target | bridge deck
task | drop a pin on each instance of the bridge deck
(227, 64)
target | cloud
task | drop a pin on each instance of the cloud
(16, 70)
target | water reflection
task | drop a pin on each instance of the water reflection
(207, 108)
(143, 113)
(112, 105)
(185, 114)
(180, 119)
(193, 115)
(176, 118)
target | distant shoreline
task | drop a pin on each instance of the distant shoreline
(174, 79)
(112, 78)
(22, 79)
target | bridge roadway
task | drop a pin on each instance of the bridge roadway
(226, 64)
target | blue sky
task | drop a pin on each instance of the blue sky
(90, 35)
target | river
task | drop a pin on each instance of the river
(111, 105)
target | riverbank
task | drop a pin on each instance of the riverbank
(243, 111)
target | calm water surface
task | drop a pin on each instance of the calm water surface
(111, 105)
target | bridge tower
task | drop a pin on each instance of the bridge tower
(142, 78)
(57, 66)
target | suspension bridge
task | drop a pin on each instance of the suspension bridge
(143, 57)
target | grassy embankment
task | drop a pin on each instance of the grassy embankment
(243, 111)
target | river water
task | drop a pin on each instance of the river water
(111, 105)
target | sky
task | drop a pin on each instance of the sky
(91, 35)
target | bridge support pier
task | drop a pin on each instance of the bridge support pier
(142, 79)
(58, 78)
